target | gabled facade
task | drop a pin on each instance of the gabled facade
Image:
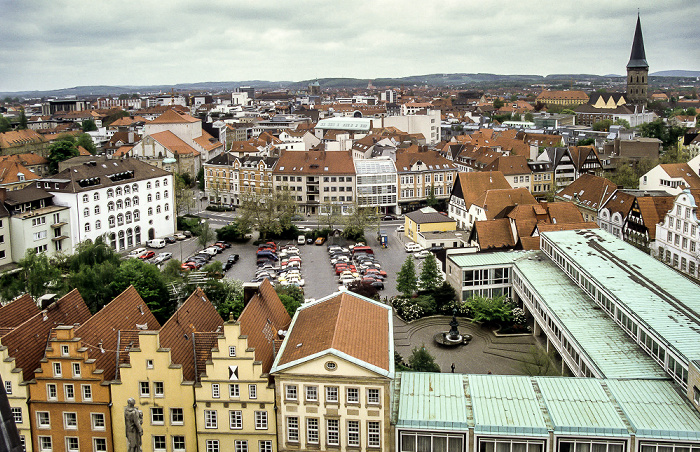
(421, 173)
(677, 236)
(671, 177)
(570, 163)
(332, 376)
(467, 188)
(227, 178)
(588, 193)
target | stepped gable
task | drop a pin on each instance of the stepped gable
(261, 320)
(100, 334)
(197, 314)
(27, 343)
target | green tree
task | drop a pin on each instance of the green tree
(114, 114)
(586, 142)
(148, 282)
(200, 179)
(5, 124)
(61, 150)
(184, 196)
(329, 214)
(359, 219)
(89, 253)
(86, 142)
(623, 175)
(497, 103)
(658, 129)
(23, 122)
(622, 122)
(226, 295)
(291, 297)
(93, 281)
(602, 125)
(539, 363)
(422, 361)
(271, 213)
(568, 111)
(430, 274)
(232, 232)
(490, 310)
(205, 234)
(40, 275)
(445, 297)
(529, 117)
(430, 199)
(406, 281)
(89, 125)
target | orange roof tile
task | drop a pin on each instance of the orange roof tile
(315, 162)
(15, 138)
(495, 202)
(510, 165)
(18, 311)
(27, 159)
(682, 171)
(495, 234)
(174, 143)
(10, 171)
(472, 185)
(654, 210)
(588, 190)
(170, 116)
(207, 141)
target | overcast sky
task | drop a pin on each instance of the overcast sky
(65, 43)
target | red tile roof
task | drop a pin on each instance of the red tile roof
(100, 333)
(170, 116)
(20, 138)
(495, 234)
(346, 323)
(682, 171)
(475, 184)
(174, 143)
(27, 342)
(495, 202)
(654, 210)
(588, 191)
(315, 163)
(261, 320)
(196, 314)
(18, 311)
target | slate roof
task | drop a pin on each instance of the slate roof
(18, 311)
(101, 170)
(356, 328)
(428, 215)
(196, 314)
(638, 57)
(261, 320)
(27, 342)
(126, 312)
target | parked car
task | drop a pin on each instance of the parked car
(412, 247)
(188, 266)
(169, 239)
(388, 218)
(301, 240)
(233, 258)
(156, 243)
(224, 243)
(187, 234)
(320, 241)
(147, 255)
(179, 236)
(421, 254)
(400, 228)
(162, 257)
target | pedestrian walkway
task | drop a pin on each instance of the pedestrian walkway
(486, 352)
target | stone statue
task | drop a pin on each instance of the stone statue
(133, 418)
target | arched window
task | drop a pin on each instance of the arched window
(127, 202)
(120, 219)
(134, 188)
(135, 200)
(129, 238)
(119, 191)
(148, 186)
(97, 210)
(128, 217)
(165, 182)
(127, 190)
(157, 196)
(111, 221)
(87, 227)
(157, 183)
(98, 224)
(120, 204)
(150, 211)
(86, 198)
(96, 196)
(137, 231)
(110, 193)
(137, 215)
(86, 212)
(110, 206)
(167, 207)
(157, 209)
(121, 240)
(165, 194)
(149, 198)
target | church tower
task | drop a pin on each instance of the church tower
(638, 70)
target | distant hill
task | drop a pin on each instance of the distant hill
(676, 73)
(455, 80)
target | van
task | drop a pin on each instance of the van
(137, 252)
(362, 249)
(156, 243)
(412, 247)
(301, 240)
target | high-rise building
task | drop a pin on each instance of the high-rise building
(637, 70)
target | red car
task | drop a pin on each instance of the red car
(342, 266)
(188, 266)
(375, 271)
(147, 255)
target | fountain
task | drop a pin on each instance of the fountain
(453, 337)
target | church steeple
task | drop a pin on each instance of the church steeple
(638, 57)
(637, 70)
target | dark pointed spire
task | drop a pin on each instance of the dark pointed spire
(638, 57)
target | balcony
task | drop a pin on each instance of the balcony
(58, 225)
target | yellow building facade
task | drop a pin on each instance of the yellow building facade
(17, 394)
(427, 219)
(161, 394)
(235, 403)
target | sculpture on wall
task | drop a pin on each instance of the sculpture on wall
(133, 418)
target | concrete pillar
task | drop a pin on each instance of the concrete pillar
(536, 330)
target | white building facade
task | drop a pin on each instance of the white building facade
(376, 184)
(678, 238)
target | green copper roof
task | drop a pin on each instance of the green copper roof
(432, 401)
(506, 405)
(478, 259)
(613, 352)
(661, 298)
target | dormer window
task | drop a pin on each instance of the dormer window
(20, 176)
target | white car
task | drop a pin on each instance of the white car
(212, 250)
(162, 257)
(400, 229)
(412, 247)
(421, 254)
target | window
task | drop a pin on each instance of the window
(87, 392)
(178, 442)
(290, 392)
(587, 444)
(253, 391)
(96, 197)
(333, 432)
(235, 419)
(312, 394)
(354, 433)
(331, 394)
(98, 224)
(240, 445)
(38, 221)
(69, 391)
(177, 416)
(265, 446)
(98, 421)
(86, 198)
(159, 442)
(45, 443)
(86, 212)
(234, 390)
(8, 387)
(157, 416)
(87, 227)
(64, 350)
(353, 395)
(373, 396)
(100, 444)
(215, 391)
(17, 415)
(144, 389)
(51, 392)
(293, 429)
(76, 369)
(232, 351)
(70, 421)
(57, 369)
(43, 420)
(261, 420)
(212, 445)
(210, 420)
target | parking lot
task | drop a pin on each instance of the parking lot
(320, 279)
